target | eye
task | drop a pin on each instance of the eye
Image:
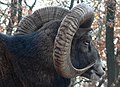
(86, 42)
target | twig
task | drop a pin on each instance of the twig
(30, 7)
(4, 3)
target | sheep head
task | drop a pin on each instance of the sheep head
(72, 41)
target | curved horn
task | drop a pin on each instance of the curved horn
(62, 45)
(34, 21)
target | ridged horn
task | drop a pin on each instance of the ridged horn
(36, 20)
(79, 15)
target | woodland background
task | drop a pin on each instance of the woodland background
(106, 29)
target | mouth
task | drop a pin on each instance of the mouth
(98, 74)
(95, 76)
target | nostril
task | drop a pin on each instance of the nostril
(104, 68)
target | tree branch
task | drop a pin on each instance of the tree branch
(4, 3)
(71, 4)
(30, 7)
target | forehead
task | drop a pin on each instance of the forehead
(83, 34)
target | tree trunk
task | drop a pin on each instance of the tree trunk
(111, 5)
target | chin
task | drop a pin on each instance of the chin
(93, 76)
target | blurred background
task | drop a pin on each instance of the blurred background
(106, 31)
